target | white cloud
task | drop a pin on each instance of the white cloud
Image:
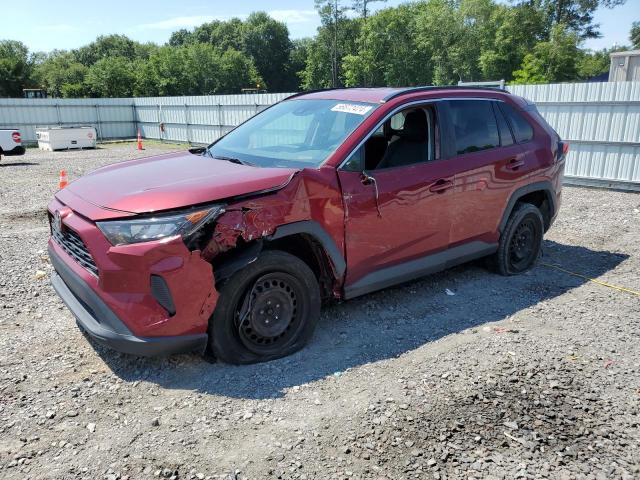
(294, 16)
(180, 22)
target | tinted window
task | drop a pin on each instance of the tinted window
(474, 124)
(522, 130)
(503, 127)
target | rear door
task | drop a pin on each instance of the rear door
(488, 165)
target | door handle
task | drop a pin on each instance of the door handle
(440, 186)
(515, 163)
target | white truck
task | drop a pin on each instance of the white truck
(10, 142)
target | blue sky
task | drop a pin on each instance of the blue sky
(47, 24)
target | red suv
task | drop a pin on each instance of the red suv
(326, 195)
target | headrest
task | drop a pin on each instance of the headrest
(415, 126)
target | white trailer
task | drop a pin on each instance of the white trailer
(10, 142)
(63, 138)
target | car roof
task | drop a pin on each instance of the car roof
(384, 94)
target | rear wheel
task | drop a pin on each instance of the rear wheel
(267, 310)
(521, 241)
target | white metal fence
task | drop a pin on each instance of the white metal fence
(601, 121)
(199, 119)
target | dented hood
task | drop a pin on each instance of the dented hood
(170, 181)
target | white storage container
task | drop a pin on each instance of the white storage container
(61, 138)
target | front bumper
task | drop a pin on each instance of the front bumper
(18, 150)
(99, 322)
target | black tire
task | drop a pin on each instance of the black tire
(267, 310)
(521, 241)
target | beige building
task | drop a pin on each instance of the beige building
(625, 66)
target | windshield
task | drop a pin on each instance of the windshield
(293, 134)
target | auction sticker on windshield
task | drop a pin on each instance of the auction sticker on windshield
(351, 108)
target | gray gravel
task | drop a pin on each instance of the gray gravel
(536, 376)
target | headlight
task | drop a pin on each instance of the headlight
(121, 232)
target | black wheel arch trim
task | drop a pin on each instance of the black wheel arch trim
(318, 233)
(224, 270)
(544, 186)
(244, 257)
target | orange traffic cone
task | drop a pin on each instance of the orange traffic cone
(63, 179)
(139, 140)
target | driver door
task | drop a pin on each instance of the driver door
(397, 219)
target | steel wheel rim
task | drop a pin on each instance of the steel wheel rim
(522, 246)
(269, 315)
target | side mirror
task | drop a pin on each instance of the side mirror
(197, 150)
(367, 179)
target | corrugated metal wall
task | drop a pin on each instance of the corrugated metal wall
(199, 119)
(600, 120)
(112, 117)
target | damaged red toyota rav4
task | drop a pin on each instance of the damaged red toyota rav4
(328, 194)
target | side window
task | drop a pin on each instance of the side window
(506, 138)
(397, 121)
(409, 138)
(355, 163)
(522, 130)
(474, 124)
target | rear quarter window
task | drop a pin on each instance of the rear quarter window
(522, 129)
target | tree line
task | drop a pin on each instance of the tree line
(426, 42)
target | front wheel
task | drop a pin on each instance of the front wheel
(267, 310)
(521, 241)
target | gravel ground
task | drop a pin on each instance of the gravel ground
(536, 376)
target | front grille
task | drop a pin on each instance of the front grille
(71, 243)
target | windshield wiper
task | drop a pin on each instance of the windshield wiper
(230, 159)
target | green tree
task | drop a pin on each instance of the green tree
(634, 35)
(15, 68)
(195, 69)
(266, 42)
(320, 71)
(442, 35)
(387, 52)
(591, 64)
(362, 7)
(107, 46)
(61, 75)
(551, 61)
(332, 17)
(297, 61)
(221, 34)
(576, 15)
(518, 29)
(111, 77)
(237, 72)
(164, 73)
(180, 37)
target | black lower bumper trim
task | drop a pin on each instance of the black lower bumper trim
(122, 342)
(19, 150)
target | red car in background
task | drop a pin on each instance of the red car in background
(325, 195)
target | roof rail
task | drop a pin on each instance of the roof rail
(429, 88)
